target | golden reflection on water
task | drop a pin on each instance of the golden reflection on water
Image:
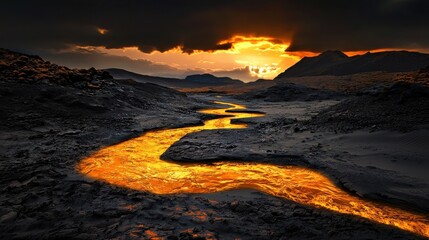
(136, 164)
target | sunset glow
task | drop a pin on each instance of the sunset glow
(263, 57)
(248, 59)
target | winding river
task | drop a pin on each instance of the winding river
(136, 164)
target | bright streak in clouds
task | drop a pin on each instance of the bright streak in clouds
(102, 31)
(265, 57)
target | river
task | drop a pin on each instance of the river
(136, 164)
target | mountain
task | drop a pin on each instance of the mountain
(337, 63)
(211, 80)
(26, 68)
(191, 81)
(124, 74)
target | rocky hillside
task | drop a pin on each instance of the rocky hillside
(337, 63)
(33, 69)
(50, 118)
(35, 92)
(191, 81)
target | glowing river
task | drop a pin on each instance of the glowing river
(136, 164)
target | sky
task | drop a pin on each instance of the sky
(245, 40)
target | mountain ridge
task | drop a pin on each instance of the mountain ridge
(337, 63)
(195, 80)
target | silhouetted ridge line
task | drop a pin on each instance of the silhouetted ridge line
(337, 63)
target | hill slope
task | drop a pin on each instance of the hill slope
(337, 63)
(124, 74)
(191, 81)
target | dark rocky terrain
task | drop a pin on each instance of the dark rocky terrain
(50, 121)
(350, 149)
(337, 63)
(326, 85)
(25, 68)
(233, 89)
(289, 92)
(397, 106)
(379, 132)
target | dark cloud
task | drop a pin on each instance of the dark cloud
(364, 25)
(311, 25)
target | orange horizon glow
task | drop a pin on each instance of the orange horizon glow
(361, 52)
(136, 164)
(263, 57)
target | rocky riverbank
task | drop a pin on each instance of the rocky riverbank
(49, 122)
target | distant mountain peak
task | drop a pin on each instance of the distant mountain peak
(204, 75)
(333, 53)
(197, 80)
(209, 78)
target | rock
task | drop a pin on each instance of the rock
(268, 218)
(9, 217)
(86, 236)
(239, 206)
(69, 132)
(34, 69)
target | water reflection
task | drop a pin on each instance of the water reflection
(136, 164)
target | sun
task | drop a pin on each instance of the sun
(265, 57)
(263, 71)
(261, 57)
